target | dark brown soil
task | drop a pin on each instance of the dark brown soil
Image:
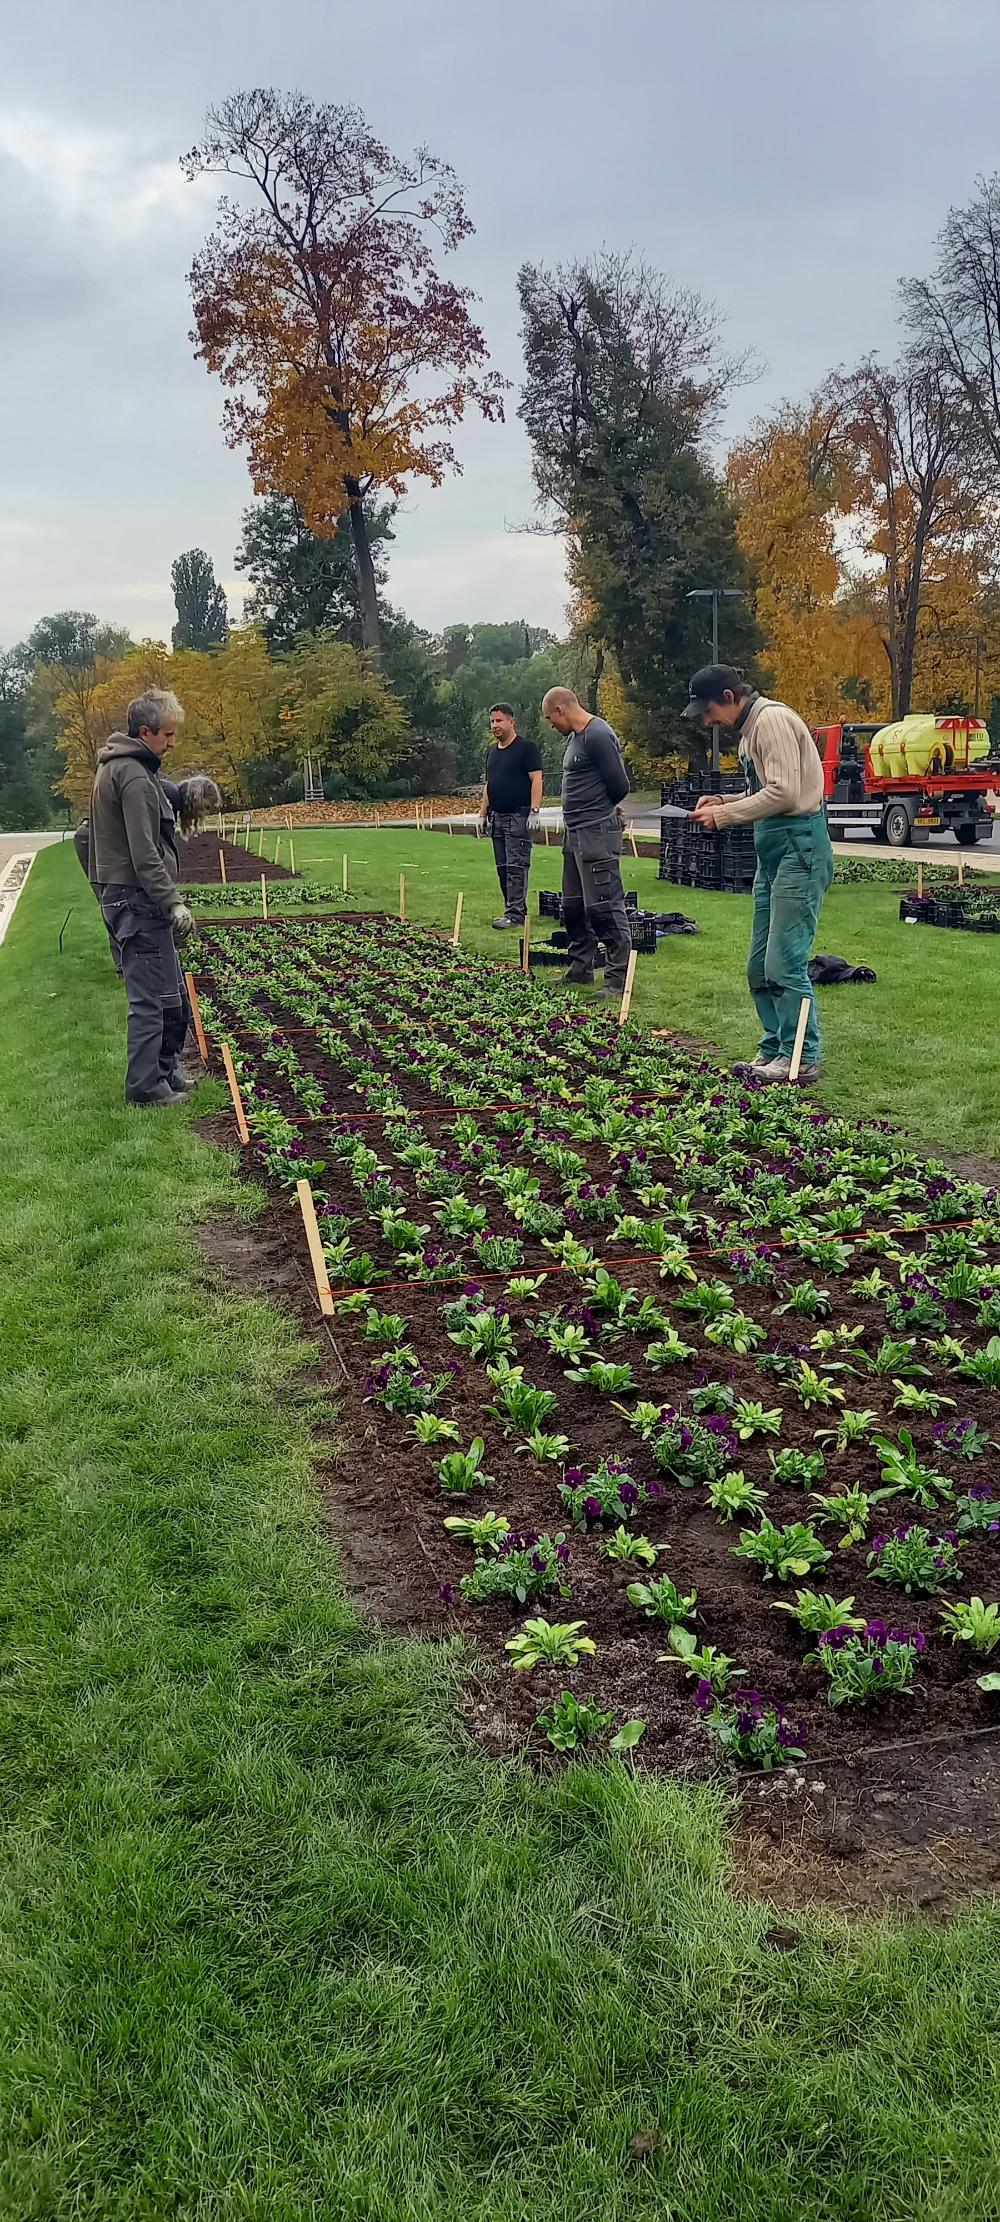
(859, 1822)
(199, 862)
(896, 1800)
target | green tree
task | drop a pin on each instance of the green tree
(337, 705)
(202, 616)
(67, 653)
(300, 583)
(624, 380)
(26, 774)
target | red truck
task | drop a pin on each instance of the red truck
(950, 796)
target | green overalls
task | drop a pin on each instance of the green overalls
(794, 870)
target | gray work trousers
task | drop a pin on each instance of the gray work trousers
(593, 898)
(512, 850)
(153, 987)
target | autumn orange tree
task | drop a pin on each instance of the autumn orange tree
(911, 480)
(240, 703)
(783, 475)
(347, 357)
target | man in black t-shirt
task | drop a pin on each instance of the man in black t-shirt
(509, 809)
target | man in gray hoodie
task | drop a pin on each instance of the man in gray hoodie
(133, 862)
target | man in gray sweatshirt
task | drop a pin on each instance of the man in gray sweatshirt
(133, 864)
(594, 784)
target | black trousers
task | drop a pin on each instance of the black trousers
(512, 850)
(594, 898)
(154, 989)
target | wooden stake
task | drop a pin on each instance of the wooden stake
(451, 828)
(320, 1274)
(800, 1035)
(288, 824)
(199, 1030)
(402, 895)
(277, 848)
(961, 871)
(458, 922)
(263, 894)
(378, 823)
(234, 1090)
(631, 835)
(920, 883)
(627, 990)
(291, 852)
(546, 831)
(260, 841)
(346, 888)
(222, 869)
(525, 945)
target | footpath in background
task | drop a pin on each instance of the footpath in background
(12, 882)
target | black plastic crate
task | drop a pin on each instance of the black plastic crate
(550, 902)
(644, 936)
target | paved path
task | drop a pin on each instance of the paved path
(23, 844)
(940, 849)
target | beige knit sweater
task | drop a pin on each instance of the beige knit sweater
(787, 763)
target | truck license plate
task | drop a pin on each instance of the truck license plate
(921, 820)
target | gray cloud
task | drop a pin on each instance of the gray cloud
(790, 159)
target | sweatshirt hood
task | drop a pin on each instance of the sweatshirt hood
(122, 744)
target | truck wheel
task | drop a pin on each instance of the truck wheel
(967, 835)
(896, 825)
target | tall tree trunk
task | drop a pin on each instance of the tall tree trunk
(892, 592)
(914, 596)
(594, 689)
(371, 637)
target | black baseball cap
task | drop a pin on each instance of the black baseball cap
(709, 685)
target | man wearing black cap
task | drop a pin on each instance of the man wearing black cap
(784, 804)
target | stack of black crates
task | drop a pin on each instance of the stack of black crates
(642, 926)
(692, 858)
(968, 911)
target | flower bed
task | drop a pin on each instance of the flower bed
(199, 862)
(656, 1377)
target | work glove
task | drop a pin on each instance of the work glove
(534, 821)
(182, 921)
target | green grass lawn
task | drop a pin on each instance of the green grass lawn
(275, 1944)
(923, 1047)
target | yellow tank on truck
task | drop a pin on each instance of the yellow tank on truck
(920, 744)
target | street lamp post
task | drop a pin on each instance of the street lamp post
(715, 595)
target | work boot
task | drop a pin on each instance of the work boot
(780, 1069)
(164, 1094)
(579, 976)
(608, 993)
(505, 924)
(180, 1082)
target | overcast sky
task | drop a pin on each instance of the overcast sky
(789, 157)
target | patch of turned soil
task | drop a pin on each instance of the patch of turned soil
(901, 1805)
(199, 863)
